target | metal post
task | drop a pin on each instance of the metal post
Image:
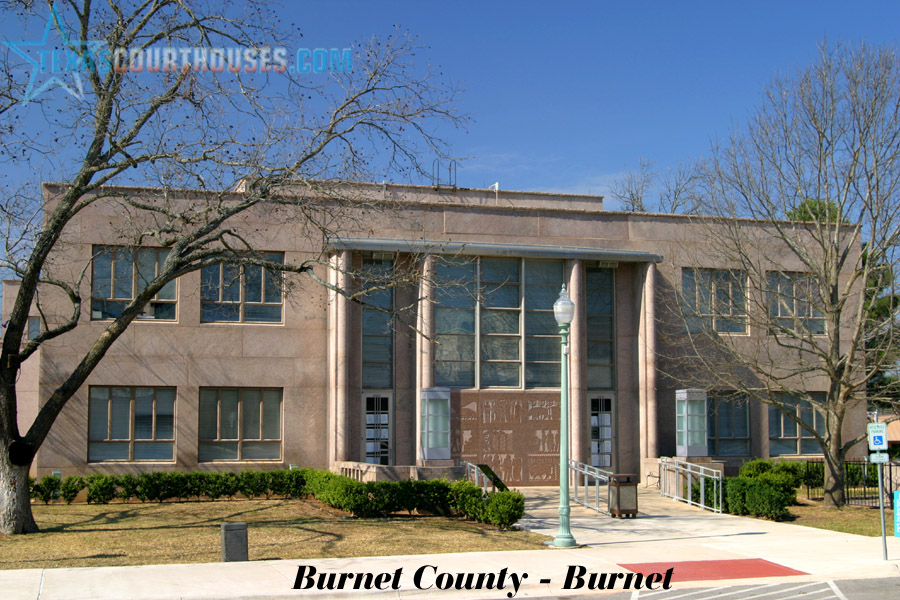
(564, 537)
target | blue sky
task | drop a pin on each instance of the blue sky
(565, 96)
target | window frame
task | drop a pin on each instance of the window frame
(240, 440)
(242, 303)
(715, 399)
(526, 317)
(132, 416)
(698, 320)
(800, 435)
(778, 299)
(159, 299)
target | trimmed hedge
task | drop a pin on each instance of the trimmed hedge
(370, 499)
(763, 489)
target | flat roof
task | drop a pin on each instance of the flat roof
(490, 249)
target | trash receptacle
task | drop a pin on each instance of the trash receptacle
(623, 495)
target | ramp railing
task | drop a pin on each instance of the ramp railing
(594, 484)
(688, 482)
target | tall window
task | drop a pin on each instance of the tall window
(454, 324)
(786, 436)
(131, 423)
(241, 293)
(377, 327)
(118, 274)
(240, 424)
(600, 337)
(794, 302)
(543, 280)
(715, 300)
(377, 430)
(500, 345)
(728, 424)
(602, 428)
(509, 336)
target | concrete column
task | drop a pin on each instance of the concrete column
(343, 400)
(647, 368)
(424, 344)
(579, 432)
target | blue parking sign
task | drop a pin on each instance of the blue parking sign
(878, 440)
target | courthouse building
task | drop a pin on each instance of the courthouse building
(233, 367)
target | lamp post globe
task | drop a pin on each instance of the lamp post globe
(564, 312)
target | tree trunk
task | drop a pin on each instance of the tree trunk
(834, 476)
(15, 501)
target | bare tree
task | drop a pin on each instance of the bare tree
(632, 188)
(805, 206)
(253, 143)
(678, 193)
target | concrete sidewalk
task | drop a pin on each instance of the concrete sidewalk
(664, 532)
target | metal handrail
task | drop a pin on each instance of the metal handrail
(474, 474)
(592, 477)
(684, 474)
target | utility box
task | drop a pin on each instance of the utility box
(234, 542)
(690, 423)
(623, 495)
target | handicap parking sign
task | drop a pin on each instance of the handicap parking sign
(877, 434)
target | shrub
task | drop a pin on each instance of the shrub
(128, 487)
(70, 487)
(156, 487)
(794, 468)
(505, 508)
(765, 499)
(468, 499)
(46, 489)
(101, 488)
(736, 495)
(253, 483)
(434, 496)
(757, 467)
(196, 484)
(296, 481)
(279, 482)
(783, 482)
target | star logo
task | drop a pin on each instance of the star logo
(61, 66)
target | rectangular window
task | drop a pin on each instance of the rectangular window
(509, 337)
(543, 281)
(500, 342)
(602, 428)
(118, 274)
(600, 294)
(241, 293)
(131, 424)
(794, 303)
(377, 326)
(34, 327)
(454, 324)
(728, 424)
(786, 436)
(715, 300)
(239, 424)
(377, 431)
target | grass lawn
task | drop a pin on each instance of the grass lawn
(861, 520)
(91, 535)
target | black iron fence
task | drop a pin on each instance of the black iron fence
(860, 481)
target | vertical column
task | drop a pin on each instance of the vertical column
(579, 414)
(424, 344)
(343, 401)
(647, 368)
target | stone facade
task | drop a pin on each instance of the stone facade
(314, 355)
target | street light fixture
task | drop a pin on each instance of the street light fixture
(564, 312)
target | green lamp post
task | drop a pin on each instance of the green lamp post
(564, 312)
